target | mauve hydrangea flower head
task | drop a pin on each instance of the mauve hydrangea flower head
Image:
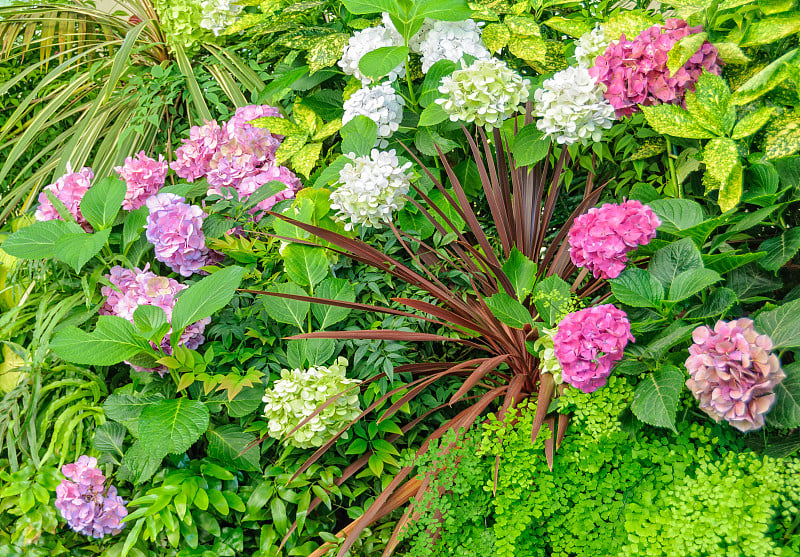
(143, 177)
(69, 189)
(733, 373)
(635, 72)
(601, 238)
(248, 183)
(588, 344)
(193, 157)
(245, 114)
(85, 505)
(175, 229)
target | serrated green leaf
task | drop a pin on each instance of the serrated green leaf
(530, 146)
(655, 400)
(780, 249)
(103, 201)
(692, 282)
(677, 214)
(109, 437)
(381, 61)
(509, 311)
(719, 301)
(205, 297)
(77, 249)
(284, 310)
(305, 265)
(430, 86)
(426, 140)
(637, 288)
(38, 240)
(226, 442)
(521, 273)
(551, 297)
(781, 324)
(333, 288)
(785, 412)
(672, 260)
(432, 115)
(113, 340)
(359, 136)
(172, 426)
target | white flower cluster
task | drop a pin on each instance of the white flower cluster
(370, 188)
(485, 92)
(589, 46)
(451, 40)
(365, 41)
(218, 15)
(298, 393)
(572, 108)
(381, 104)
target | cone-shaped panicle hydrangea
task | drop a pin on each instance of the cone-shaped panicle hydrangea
(193, 157)
(298, 393)
(365, 41)
(572, 108)
(601, 238)
(635, 72)
(733, 373)
(451, 40)
(485, 92)
(69, 189)
(381, 104)
(588, 344)
(589, 46)
(175, 229)
(218, 15)
(143, 177)
(88, 508)
(370, 188)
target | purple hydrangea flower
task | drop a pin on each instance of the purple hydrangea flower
(733, 373)
(175, 229)
(588, 344)
(601, 238)
(85, 505)
(192, 158)
(69, 189)
(144, 177)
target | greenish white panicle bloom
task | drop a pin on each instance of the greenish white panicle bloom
(451, 40)
(365, 41)
(370, 189)
(381, 104)
(572, 108)
(547, 354)
(218, 15)
(589, 46)
(298, 393)
(485, 92)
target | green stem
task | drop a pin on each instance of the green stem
(410, 85)
(672, 173)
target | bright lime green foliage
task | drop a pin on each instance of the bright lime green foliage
(181, 19)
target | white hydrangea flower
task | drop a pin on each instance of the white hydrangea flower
(547, 354)
(370, 188)
(572, 108)
(218, 15)
(485, 92)
(381, 104)
(298, 393)
(365, 41)
(451, 40)
(589, 46)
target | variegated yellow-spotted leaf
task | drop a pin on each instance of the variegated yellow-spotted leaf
(328, 130)
(574, 27)
(771, 29)
(524, 26)
(785, 140)
(495, 36)
(554, 60)
(279, 126)
(720, 156)
(326, 51)
(629, 22)
(672, 120)
(710, 104)
(731, 191)
(649, 148)
(683, 50)
(528, 48)
(289, 147)
(246, 22)
(770, 7)
(298, 7)
(304, 160)
(353, 85)
(731, 53)
(305, 117)
(752, 122)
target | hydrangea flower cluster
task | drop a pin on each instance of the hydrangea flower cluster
(370, 188)
(635, 72)
(175, 229)
(451, 40)
(733, 373)
(69, 189)
(381, 104)
(572, 108)
(142, 287)
(548, 362)
(589, 46)
(298, 393)
(193, 157)
(88, 508)
(143, 177)
(218, 15)
(601, 238)
(365, 41)
(588, 344)
(485, 92)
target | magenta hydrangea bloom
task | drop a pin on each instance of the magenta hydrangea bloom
(88, 508)
(245, 114)
(601, 238)
(251, 182)
(589, 342)
(175, 229)
(635, 72)
(733, 373)
(193, 157)
(69, 189)
(144, 177)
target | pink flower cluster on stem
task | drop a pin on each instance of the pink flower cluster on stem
(733, 373)
(69, 189)
(601, 238)
(143, 177)
(589, 342)
(635, 72)
(88, 508)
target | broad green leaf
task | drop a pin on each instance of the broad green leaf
(521, 273)
(530, 146)
(205, 297)
(114, 340)
(38, 240)
(140, 464)
(683, 50)
(333, 288)
(246, 402)
(103, 201)
(637, 288)
(655, 400)
(551, 297)
(784, 141)
(780, 249)
(439, 200)
(672, 120)
(771, 29)
(751, 280)
(151, 321)
(305, 265)
(573, 26)
(303, 353)
(719, 301)
(108, 438)
(785, 412)
(426, 140)
(284, 310)
(134, 226)
(677, 214)
(432, 115)
(359, 136)
(509, 311)
(381, 61)
(676, 333)
(752, 122)
(77, 249)
(782, 325)
(726, 262)
(672, 260)
(126, 408)
(690, 282)
(172, 426)
(226, 442)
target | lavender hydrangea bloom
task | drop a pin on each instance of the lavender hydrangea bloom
(734, 373)
(69, 189)
(143, 177)
(193, 157)
(175, 229)
(85, 505)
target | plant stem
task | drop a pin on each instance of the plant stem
(408, 81)
(672, 173)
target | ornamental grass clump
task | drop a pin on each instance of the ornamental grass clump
(733, 373)
(143, 178)
(381, 104)
(88, 508)
(295, 397)
(69, 189)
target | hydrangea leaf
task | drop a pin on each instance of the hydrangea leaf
(784, 141)
(781, 324)
(655, 400)
(676, 333)
(672, 260)
(771, 29)
(684, 49)
(426, 139)
(574, 27)
(325, 51)
(691, 282)
(430, 87)
(227, 442)
(285, 310)
(77, 249)
(672, 120)
(530, 146)
(359, 136)
(305, 265)
(551, 297)
(306, 158)
(629, 22)
(245, 402)
(432, 115)
(726, 262)
(38, 240)
(718, 302)
(108, 438)
(114, 339)
(379, 62)
(205, 297)
(172, 426)
(139, 466)
(785, 412)
(677, 214)
(731, 53)
(637, 288)
(528, 47)
(752, 122)
(521, 273)
(495, 36)
(780, 249)
(509, 311)
(103, 201)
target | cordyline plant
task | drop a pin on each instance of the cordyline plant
(521, 201)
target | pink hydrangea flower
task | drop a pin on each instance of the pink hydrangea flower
(245, 114)
(142, 287)
(601, 238)
(635, 72)
(733, 373)
(192, 158)
(69, 189)
(144, 177)
(175, 229)
(589, 342)
(252, 182)
(85, 505)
